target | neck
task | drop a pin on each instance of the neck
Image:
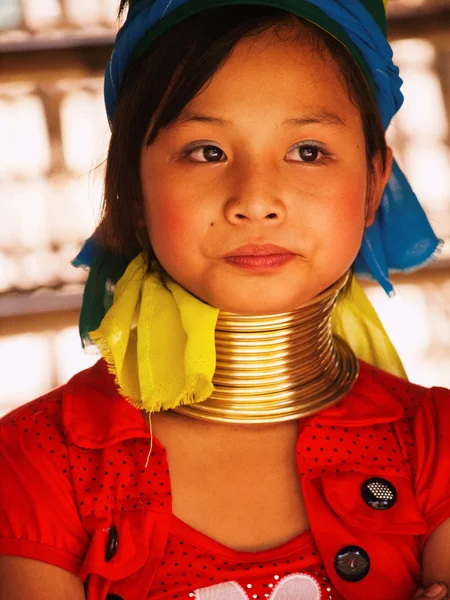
(278, 367)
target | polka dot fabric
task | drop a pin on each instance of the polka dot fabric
(192, 562)
(73, 467)
(117, 480)
(39, 515)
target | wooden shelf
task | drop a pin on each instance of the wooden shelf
(23, 41)
(402, 8)
(421, 22)
(52, 63)
(40, 302)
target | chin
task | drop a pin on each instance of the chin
(257, 296)
(258, 308)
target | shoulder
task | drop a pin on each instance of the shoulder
(417, 413)
(391, 394)
(385, 411)
(39, 517)
(422, 409)
(41, 430)
(34, 426)
(409, 395)
(49, 405)
(413, 397)
(376, 397)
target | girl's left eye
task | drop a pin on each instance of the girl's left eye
(207, 153)
(307, 152)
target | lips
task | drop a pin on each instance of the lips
(259, 258)
(258, 250)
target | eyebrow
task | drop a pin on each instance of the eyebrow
(320, 117)
(190, 117)
(323, 117)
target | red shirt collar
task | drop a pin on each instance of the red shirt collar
(95, 415)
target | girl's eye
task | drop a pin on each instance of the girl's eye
(206, 154)
(307, 152)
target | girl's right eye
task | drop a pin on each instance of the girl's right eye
(207, 153)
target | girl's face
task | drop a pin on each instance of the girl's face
(270, 153)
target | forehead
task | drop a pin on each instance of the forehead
(277, 71)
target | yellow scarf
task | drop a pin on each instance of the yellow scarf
(158, 340)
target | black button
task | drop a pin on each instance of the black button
(379, 493)
(113, 597)
(352, 563)
(112, 543)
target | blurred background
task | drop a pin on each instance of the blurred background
(53, 141)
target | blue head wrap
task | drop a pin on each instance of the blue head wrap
(401, 238)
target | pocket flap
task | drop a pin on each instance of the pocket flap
(344, 493)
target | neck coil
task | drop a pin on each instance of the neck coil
(276, 368)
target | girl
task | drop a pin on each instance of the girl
(229, 445)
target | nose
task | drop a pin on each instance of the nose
(255, 198)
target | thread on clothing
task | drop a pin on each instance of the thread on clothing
(151, 439)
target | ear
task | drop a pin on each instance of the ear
(376, 187)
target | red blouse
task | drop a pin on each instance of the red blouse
(76, 494)
(194, 566)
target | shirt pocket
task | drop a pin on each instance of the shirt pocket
(346, 494)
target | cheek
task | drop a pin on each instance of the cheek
(166, 220)
(349, 220)
(166, 226)
(172, 226)
(168, 204)
(339, 215)
(349, 193)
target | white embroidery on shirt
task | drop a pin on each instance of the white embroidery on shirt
(292, 587)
